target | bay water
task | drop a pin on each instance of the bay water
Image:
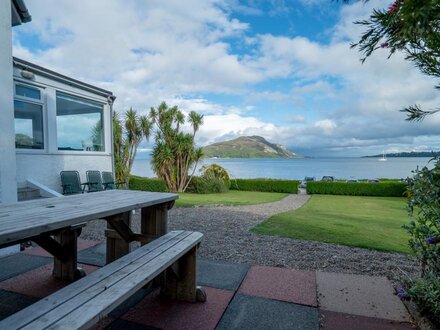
(298, 168)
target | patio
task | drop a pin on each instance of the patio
(239, 296)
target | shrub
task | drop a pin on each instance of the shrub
(424, 232)
(267, 185)
(147, 184)
(382, 189)
(207, 184)
(217, 171)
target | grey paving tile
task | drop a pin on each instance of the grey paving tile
(220, 274)
(94, 255)
(249, 312)
(11, 302)
(16, 264)
(370, 296)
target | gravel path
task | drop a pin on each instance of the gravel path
(227, 237)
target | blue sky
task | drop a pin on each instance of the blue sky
(276, 68)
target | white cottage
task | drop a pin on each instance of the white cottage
(48, 122)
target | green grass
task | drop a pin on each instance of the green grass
(232, 197)
(366, 222)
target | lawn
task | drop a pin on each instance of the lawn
(232, 197)
(366, 222)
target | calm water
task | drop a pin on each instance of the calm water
(284, 168)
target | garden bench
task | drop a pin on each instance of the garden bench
(86, 301)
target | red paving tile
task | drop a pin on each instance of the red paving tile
(38, 282)
(160, 312)
(340, 321)
(38, 251)
(283, 284)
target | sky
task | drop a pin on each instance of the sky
(281, 69)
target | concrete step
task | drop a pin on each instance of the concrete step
(27, 193)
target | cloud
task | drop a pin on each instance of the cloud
(184, 52)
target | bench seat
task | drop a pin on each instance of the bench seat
(86, 301)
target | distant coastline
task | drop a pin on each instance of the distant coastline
(408, 154)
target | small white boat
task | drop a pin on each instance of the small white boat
(383, 159)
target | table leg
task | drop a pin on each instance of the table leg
(154, 221)
(116, 245)
(67, 268)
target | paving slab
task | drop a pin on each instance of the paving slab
(127, 325)
(281, 284)
(370, 296)
(129, 303)
(339, 321)
(39, 251)
(249, 312)
(39, 282)
(94, 255)
(220, 274)
(157, 311)
(11, 302)
(18, 263)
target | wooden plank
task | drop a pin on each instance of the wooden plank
(31, 218)
(95, 309)
(60, 297)
(82, 311)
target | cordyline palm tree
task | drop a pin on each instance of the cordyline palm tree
(175, 153)
(127, 134)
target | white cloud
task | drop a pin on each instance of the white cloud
(180, 51)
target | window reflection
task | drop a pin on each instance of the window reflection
(79, 124)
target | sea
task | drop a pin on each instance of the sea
(298, 168)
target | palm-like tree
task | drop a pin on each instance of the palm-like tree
(127, 135)
(175, 152)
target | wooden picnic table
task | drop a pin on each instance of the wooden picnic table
(55, 223)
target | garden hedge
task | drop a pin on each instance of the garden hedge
(147, 184)
(381, 189)
(267, 185)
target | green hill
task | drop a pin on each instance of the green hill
(248, 147)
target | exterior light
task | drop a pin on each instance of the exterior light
(27, 74)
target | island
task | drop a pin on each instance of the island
(248, 147)
(409, 154)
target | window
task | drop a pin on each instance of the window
(79, 124)
(28, 118)
(27, 91)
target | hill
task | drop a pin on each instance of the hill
(248, 147)
(409, 154)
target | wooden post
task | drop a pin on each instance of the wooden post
(180, 279)
(154, 221)
(116, 246)
(67, 269)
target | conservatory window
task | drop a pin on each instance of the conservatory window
(79, 123)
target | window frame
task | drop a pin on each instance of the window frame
(89, 99)
(41, 102)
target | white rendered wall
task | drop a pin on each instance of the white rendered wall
(8, 184)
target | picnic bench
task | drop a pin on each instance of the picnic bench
(55, 225)
(84, 302)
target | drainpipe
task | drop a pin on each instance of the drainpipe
(111, 100)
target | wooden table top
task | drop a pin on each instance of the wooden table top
(30, 218)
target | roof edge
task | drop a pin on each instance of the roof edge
(62, 78)
(22, 11)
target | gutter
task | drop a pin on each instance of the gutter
(61, 78)
(21, 10)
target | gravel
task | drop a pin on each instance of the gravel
(227, 237)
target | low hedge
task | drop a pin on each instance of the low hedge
(381, 189)
(147, 184)
(266, 185)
